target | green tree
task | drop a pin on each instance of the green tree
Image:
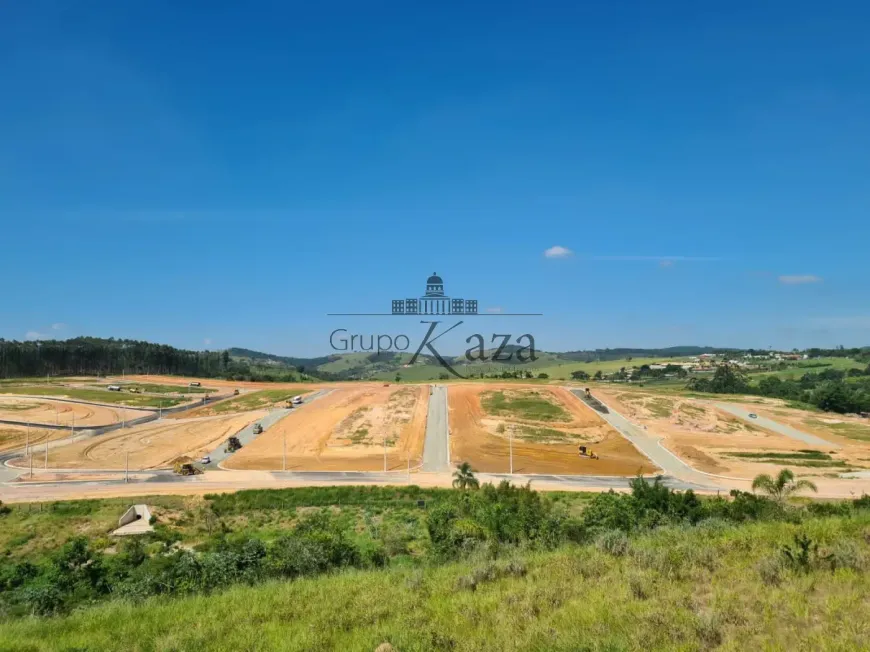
(580, 375)
(463, 477)
(782, 487)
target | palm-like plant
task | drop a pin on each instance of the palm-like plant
(463, 477)
(781, 488)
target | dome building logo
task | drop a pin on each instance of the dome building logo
(434, 302)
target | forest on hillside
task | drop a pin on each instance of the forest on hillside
(97, 356)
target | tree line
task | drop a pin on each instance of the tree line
(827, 390)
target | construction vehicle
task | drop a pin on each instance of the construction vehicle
(258, 429)
(235, 392)
(134, 390)
(233, 444)
(185, 466)
(584, 452)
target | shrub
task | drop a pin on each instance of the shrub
(613, 542)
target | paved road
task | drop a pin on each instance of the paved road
(246, 435)
(770, 424)
(436, 448)
(650, 446)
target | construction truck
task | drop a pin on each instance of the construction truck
(584, 452)
(182, 467)
(235, 392)
(233, 444)
(258, 429)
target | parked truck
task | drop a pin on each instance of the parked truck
(233, 444)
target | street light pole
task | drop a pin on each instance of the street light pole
(27, 440)
(126, 467)
(511, 445)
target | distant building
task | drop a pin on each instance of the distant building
(434, 302)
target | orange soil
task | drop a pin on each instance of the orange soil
(471, 441)
(316, 441)
(703, 435)
(151, 445)
(13, 437)
(43, 411)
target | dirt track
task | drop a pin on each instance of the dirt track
(14, 437)
(45, 410)
(151, 445)
(473, 441)
(344, 431)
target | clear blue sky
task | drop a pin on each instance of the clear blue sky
(213, 174)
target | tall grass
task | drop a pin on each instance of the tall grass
(675, 588)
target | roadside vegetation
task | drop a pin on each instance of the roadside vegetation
(256, 400)
(94, 395)
(476, 568)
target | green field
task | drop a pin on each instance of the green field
(814, 366)
(528, 405)
(93, 395)
(256, 400)
(850, 430)
(615, 573)
(166, 389)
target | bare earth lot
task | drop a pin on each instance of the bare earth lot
(539, 446)
(150, 446)
(14, 437)
(45, 410)
(345, 430)
(714, 441)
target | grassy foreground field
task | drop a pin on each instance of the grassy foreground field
(675, 588)
(499, 568)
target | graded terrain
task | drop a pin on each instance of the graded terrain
(346, 429)
(38, 410)
(705, 434)
(547, 424)
(151, 445)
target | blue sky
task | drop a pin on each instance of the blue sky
(225, 174)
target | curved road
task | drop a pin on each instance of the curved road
(770, 424)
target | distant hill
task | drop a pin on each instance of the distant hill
(258, 357)
(386, 365)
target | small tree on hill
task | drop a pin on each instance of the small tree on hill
(782, 487)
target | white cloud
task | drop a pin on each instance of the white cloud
(59, 326)
(207, 341)
(799, 279)
(494, 309)
(666, 263)
(35, 335)
(558, 252)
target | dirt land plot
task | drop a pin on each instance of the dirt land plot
(152, 445)
(476, 436)
(345, 430)
(44, 410)
(714, 441)
(14, 437)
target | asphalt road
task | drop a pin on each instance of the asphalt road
(650, 445)
(770, 424)
(246, 435)
(436, 448)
